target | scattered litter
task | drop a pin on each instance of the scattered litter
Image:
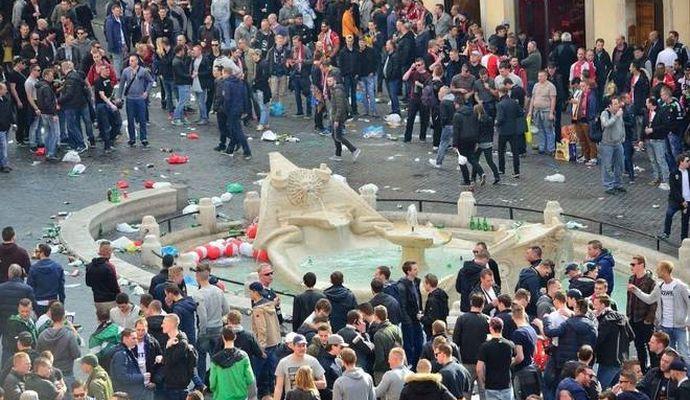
(369, 187)
(638, 169)
(258, 183)
(619, 216)
(148, 184)
(138, 290)
(393, 138)
(395, 189)
(374, 131)
(574, 225)
(216, 201)
(122, 184)
(159, 185)
(136, 168)
(425, 191)
(163, 176)
(72, 157)
(340, 178)
(193, 136)
(167, 149)
(35, 163)
(41, 151)
(393, 120)
(177, 159)
(124, 227)
(269, 136)
(63, 213)
(74, 264)
(558, 178)
(149, 165)
(123, 282)
(121, 243)
(77, 170)
(74, 273)
(225, 197)
(416, 160)
(169, 250)
(192, 208)
(655, 206)
(386, 187)
(234, 188)
(391, 158)
(363, 119)
(600, 198)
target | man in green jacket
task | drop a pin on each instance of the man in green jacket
(386, 338)
(98, 385)
(231, 373)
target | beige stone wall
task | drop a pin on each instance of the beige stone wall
(677, 17)
(604, 19)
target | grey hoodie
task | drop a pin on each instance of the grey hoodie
(681, 303)
(614, 130)
(62, 342)
(354, 384)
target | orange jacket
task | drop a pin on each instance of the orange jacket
(349, 26)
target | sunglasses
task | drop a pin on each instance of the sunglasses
(268, 273)
(79, 395)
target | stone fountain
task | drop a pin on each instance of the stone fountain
(415, 240)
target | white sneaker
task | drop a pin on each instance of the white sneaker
(432, 162)
(664, 186)
(335, 158)
(356, 154)
(259, 127)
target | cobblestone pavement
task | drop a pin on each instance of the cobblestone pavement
(35, 190)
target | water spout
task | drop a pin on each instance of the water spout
(412, 221)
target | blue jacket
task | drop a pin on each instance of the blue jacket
(186, 310)
(112, 31)
(234, 97)
(43, 276)
(606, 263)
(573, 333)
(571, 385)
(125, 373)
(531, 281)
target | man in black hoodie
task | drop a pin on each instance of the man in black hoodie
(385, 299)
(531, 279)
(349, 62)
(436, 307)
(179, 360)
(411, 311)
(657, 382)
(102, 278)
(74, 104)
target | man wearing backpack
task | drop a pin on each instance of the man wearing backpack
(46, 101)
(416, 77)
(179, 360)
(611, 147)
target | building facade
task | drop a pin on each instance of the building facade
(586, 20)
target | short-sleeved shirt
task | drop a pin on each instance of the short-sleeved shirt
(102, 85)
(30, 87)
(485, 94)
(497, 354)
(288, 366)
(462, 82)
(526, 337)
(18, 79)
(542, 93)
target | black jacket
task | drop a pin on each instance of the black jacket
(507, 113)
(470, 332)
(155, 323)
(10, 293)
(467, 279)
(406, 49)
(153, 349)
(7, 115)
(205, 72)
(392, 70)
(675, 195)
(342, 300)
(436, 308)
(650, 385)
(246, 341)
(303, 305)
(14, 386)
(660, 125)
(391, 304)
(179, 364)
(349, 61)
(447, 110)
(428, 352)
(410, 300)
(487, 304)
(368, 62)
(165, 68)
(74, 93)
(610, 338)
(361, 344)
(640, 93)
(42, 56)
(45, 98)
(530, 280)
(584, 284)
(181, 74)
(425, 387)
(465, 127)
(101, 278)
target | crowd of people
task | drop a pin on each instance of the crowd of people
(538, 340)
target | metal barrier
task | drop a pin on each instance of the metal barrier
(511, 210)
(168, 221)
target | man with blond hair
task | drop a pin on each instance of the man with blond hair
(393, 380)
(673, 306)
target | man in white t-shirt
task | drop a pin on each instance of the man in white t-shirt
(673, 306)
(668, 55)
(288, 366)
(559, 315)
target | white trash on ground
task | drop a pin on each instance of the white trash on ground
(558, 178)
(192, 208)
(158, 185)
(78, 169)
(72, 157)
(121, 243)
(574, 225)
(269, 136)
(124, 227)
(225, 197)
(340, 178)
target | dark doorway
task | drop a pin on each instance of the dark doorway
(649, 16)
(540, 18)
(467, 7)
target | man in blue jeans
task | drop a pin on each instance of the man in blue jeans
(135, 86)
(74, 103)
(611, 147)
(542, 108)
(411, 311)
(182, 77)
(46, 102)
(392, 74)
(5, 123)
(236, 105)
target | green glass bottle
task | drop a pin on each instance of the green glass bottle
(485, 225)
(115, 195)
(473, 225)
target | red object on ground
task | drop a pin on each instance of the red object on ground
(138, 243)
(177, 159)
(251, 231)
(41, 151)
(192, 136)
(212, 252)
(122, 184)
(148, 184)
(229, 250)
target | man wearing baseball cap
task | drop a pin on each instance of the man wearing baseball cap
(98, 384)
(679, 373)
(266, 327)
(331, 363)
(288, 366)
